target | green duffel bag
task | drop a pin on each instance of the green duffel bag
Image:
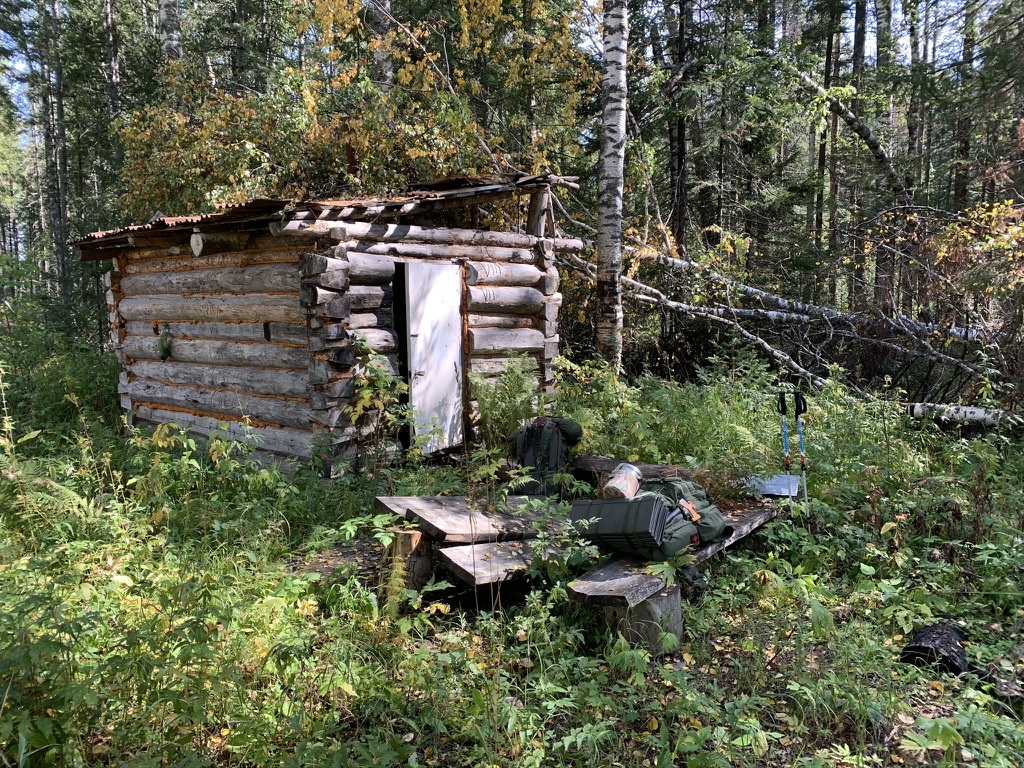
(699, 522)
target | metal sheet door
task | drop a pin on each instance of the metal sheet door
(433, 298)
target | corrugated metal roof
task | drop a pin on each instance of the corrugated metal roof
(419, 197)
(224, 213)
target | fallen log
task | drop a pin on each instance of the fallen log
(965, 414)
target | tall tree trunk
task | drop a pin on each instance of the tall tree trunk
(530, 96)
(831, 59)
(833, 159)
(609, 183)
(113, 58)
(857, 286)
(55, 135)
(238, 50)
(678, 128)
(884, 42)
(964, 126)
(169, 28)
(914, 133)
(885, 58)
(379, 21)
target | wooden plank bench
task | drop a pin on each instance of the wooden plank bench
(623, 582)
(495, 545)
(454, 520)
(640, 605)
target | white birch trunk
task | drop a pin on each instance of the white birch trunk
(609, 184)
(169, 27)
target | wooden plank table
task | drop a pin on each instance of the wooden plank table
(482, 564)
(623, 582)
(496, 545)
(454, 520)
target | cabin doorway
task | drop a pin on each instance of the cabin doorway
(429, 295)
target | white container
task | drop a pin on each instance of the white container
(622, 483)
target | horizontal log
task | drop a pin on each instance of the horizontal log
(291, 333)
(965, 414)
(551, 348)
(501, 321)
(371, 320)
(281, 440)
(569, 244)
(238, 378)
(321, 402)
(311, 294)
(186, 261)
(207, 244)
(263, 410)
(320, 372)
(549, 283)
(447, 251)
(332, 311)
(332, 332)
(254, 307)
(493, 273)
(335, 417)
(259, 355)
(325, 336)
(552, 305)
(405, 232)
(342, 356)
(367, 268)
(499, 339)
(256, 278)
(488, 366)
(175, 240)
(499, 301)
(363, 297)
(339, 388)
(379, 340)
(317, 263)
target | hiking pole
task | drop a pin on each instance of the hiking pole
(800, 408)
(785, 448)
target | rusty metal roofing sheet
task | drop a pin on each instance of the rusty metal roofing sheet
(450, 191)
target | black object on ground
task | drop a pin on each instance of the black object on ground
(940, 644)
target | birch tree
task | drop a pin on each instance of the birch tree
(609, 183)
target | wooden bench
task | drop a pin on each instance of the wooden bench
(641, 605)
(488, 546)
(481, 546)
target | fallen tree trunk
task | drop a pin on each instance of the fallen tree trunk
(965, 414)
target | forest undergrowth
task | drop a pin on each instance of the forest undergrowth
(151, 617)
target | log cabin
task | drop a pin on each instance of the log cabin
(255, 320)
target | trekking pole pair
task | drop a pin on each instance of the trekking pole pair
(799, 409)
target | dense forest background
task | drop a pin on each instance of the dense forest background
(834, 182)
(812, 190)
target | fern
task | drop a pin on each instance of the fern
(508, 400)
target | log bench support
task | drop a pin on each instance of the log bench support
(489, 546)
(411, 551)
(648, 622)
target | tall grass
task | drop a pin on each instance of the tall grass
(152, 618)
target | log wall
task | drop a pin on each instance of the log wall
(510, 305)
(263, 330)
(212, 336)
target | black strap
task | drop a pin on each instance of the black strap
(546, 434)
(801, 402)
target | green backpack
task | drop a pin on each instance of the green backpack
(693, 519)
(543, 446)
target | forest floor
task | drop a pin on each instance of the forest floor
(169, 601)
